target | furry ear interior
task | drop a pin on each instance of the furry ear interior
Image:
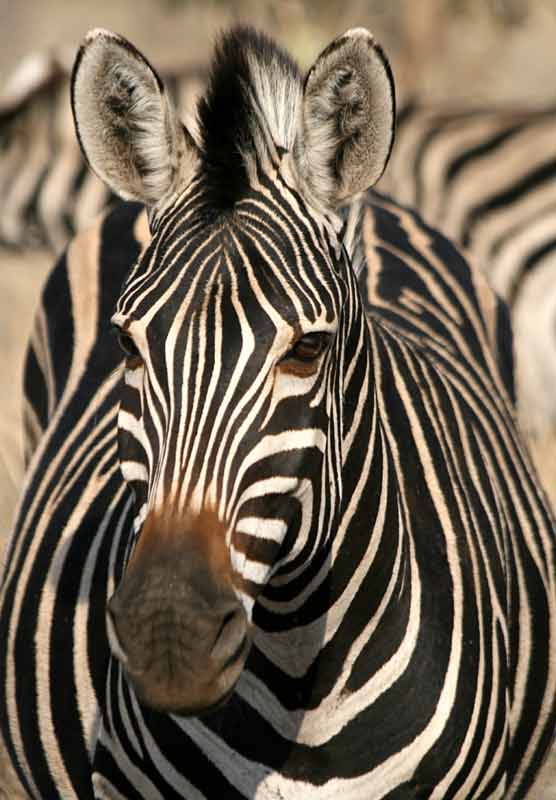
(346, 130)
(126, 124)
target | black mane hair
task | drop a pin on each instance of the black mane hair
(230, 113)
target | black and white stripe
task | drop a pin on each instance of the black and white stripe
(487, 179)
(314, 428)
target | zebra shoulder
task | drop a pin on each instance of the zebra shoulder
(415, 278)
(73, 317)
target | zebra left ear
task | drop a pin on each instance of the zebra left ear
(346, 130)
(126, 124)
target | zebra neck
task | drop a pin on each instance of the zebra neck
(367, 575)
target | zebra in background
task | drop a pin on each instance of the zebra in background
(301, 504)
(487, 179)
(47, 191)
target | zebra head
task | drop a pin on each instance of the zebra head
(245, 340)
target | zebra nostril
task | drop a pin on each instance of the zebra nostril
(231, 636)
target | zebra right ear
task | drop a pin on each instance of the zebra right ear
(346, 126)
(126, 124)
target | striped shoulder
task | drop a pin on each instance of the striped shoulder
(71, 331)
(418, 281)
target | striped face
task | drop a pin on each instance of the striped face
(239, 323)
(233, 332)
(230, 426)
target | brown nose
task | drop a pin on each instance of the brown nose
(178, 627)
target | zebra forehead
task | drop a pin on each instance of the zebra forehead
(290, 263)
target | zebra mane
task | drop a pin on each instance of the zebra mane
(250, 109)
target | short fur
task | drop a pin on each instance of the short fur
(127, 127)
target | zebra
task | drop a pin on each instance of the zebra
(484, 175)
(290, 543)
(481, 176)
(487, 179)
(48, 193)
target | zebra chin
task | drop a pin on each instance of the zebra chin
(175, 621)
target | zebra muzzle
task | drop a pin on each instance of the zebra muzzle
(176, 623)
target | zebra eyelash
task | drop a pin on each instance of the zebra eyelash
(304, 355)
(310, 346)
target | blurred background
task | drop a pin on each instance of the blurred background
(479, 52)
(478, 49)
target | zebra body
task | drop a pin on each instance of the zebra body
(304, 496)
(486, 178)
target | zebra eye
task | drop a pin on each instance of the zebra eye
(302, 359)
(127, 344)
(309, 347)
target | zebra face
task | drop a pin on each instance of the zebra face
(240, 323)
(229, 424)
(230, 366)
